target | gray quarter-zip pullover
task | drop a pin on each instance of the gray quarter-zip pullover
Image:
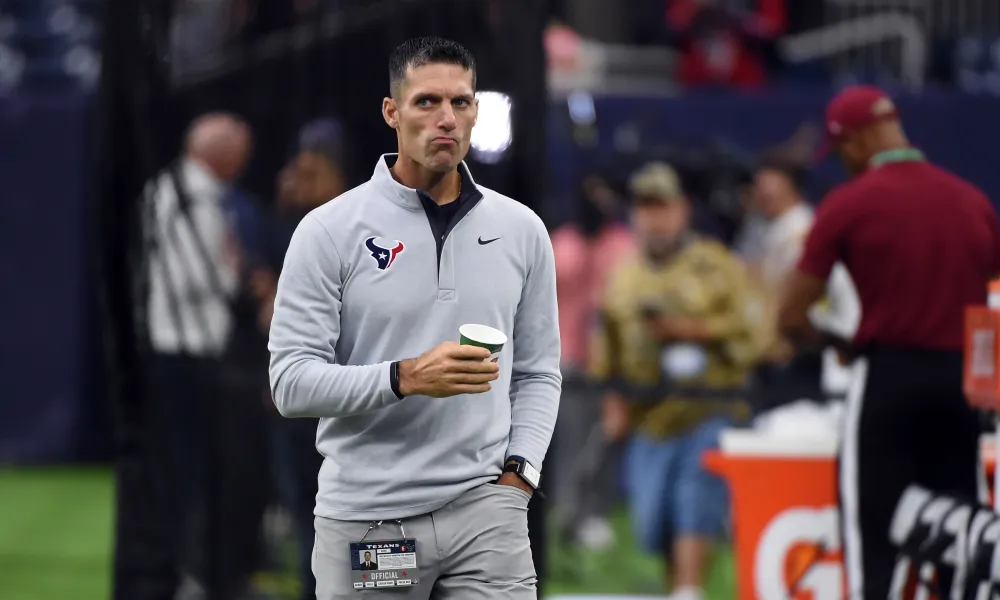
(368, 280)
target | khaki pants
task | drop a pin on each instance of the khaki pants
(474, 547)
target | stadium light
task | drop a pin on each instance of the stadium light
(492, 134)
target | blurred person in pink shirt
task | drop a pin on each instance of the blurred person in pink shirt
(585, 251)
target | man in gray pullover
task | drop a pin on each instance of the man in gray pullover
(438, 453)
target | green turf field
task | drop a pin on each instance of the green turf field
(623, 569)
(55, 544)
(55, 533)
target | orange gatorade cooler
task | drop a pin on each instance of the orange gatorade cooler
(981, 379)
(784, 502)
(981, 376)
(785, 519)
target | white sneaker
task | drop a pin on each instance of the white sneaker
(190, 589)
(595, 533)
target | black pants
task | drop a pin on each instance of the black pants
(906, 422)
(780, 385)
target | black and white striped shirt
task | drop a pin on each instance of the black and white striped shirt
(191, 263)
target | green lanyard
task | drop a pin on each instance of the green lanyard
(896, 155)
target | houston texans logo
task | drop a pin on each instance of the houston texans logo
(383, 256)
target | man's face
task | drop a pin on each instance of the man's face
(857, 148)
(854, 152)
(434, 115)
(234, 160)
(368, 556)
(770, 187)
(660, 225)
(317, 181)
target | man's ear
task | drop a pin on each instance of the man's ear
(390, 112)
(475, 110)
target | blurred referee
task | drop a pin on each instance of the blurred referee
(920, 244)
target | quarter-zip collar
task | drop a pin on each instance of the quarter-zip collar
(409, 198)
(441, 224)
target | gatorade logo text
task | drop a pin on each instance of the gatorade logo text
(799, 557)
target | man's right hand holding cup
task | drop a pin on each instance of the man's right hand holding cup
(447, 370)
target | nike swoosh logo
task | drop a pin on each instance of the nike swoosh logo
(483, 242)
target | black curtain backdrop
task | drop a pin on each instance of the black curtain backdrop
(345, 76)
(142, 117)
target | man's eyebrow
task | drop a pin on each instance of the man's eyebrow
(435, 97)
(427, 96)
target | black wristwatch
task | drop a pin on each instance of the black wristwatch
(394, 379)
(524, 469)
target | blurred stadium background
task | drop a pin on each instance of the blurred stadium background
(95, 96)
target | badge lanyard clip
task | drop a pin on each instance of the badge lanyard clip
(376, 524)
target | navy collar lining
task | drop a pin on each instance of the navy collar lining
(410, 198)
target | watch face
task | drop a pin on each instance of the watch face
(531, 474)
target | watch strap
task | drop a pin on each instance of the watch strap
(394, 379)
(524, 469)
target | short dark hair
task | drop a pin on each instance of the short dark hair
(417, 52)
(780, 161)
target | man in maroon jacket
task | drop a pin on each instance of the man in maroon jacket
(920, 244)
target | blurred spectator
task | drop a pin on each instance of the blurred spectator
(785, 376)
(194, 263)
(748, 242)
(562, 48)
(782, 376)
(313, 177)
(721, 40)
(585, 251)
(675, 350)
(793, 157)
(777, 198)
(319, 167)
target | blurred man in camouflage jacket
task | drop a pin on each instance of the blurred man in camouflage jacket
(675, 349)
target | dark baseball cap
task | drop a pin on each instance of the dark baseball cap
(853, 109)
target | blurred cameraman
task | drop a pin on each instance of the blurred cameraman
(675, 349)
